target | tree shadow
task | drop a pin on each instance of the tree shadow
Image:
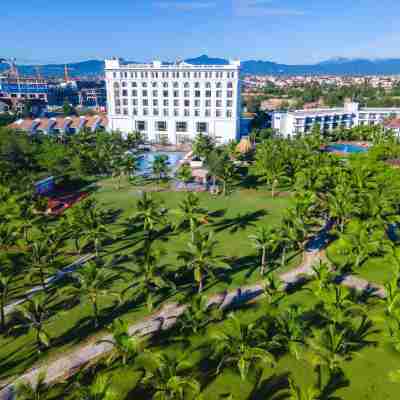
(240, 222)
(274, 387)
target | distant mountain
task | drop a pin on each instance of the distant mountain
(335, 66)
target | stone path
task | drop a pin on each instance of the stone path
(164, 319)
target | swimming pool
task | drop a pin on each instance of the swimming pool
(345, 148)
(146, 160)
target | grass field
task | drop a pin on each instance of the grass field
(236, 217)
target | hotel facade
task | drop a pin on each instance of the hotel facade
(291, 123)
(172, 103)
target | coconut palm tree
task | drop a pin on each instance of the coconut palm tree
(37, 391)
(266, 241)
(168, 378)
(34, 314)
(241, 346)
(184, 173)
(200, 258)
(190, 212)
(148, 276)
(125, 346)
(5, 284)
(90, 283)
(160, 166)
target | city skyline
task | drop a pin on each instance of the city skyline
(44, 32)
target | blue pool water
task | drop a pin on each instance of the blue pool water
(146, 160)
(346, 148)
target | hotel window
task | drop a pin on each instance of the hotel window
(176, 103)
(144, 84)
(154, 84)
(165, 112)
(229, 103)
(144, 93)
(208, 103)
(140, 126)
(218, 85)
(155, 112)
(161, 126)
(229, 85)
(197, 113)
(155, 93)
(186, 85)
(186, 112)
(218, 103)
(165, 84)
(145, 111)
(208, 85)
(181, 126)
(145, 102)
(134, 84)
(208, 93)
(165, 93)
(186, 103)
(125, 102)
(116, 85)
(165, 102)
(218, 93)
(117, 111)
(117, 102)
(135, 111)
(197, 93)
(124, 84)
(229, 93)
(155, 102)
(208, 112)
(228, 114)
(186, 93)
(196, 85)
(125, 111)
(176, 112)
(217, 113)
(114, 74)
(124, 93)
(176, 84)
(176, 93)
(201, 127)
(197, 103)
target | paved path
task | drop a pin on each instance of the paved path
(70, 363)
(52, 279)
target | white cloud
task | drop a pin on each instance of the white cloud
(186, 5)
(262, 8)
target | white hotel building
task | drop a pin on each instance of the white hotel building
(291, 123)
(174, 102)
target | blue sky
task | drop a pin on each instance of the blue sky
(287, 31)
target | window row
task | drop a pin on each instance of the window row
(175, 103)
(180, 126)
(176, 112)
(186, 85)
(174, 74)
(173, 93)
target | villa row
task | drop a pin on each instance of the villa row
(290, 123)
(57, 125)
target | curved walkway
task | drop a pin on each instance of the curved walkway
(69, 364)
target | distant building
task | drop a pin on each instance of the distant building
(394, 125)
(60, 125)
(174, 102)
(23, 88)
(290, 123)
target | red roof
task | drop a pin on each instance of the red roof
(393, 124)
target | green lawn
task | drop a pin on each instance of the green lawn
(238, 215)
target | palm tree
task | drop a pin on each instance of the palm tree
(242, 346)
(5, 283)
(184, 173)
(37, 391)
(99, 389)
(266, 241)
(90, 283)
(34, 314)
(149, 214)
(201, 259)
(190, 212)
(160, 166)
(168, 378)
(148, 276)
(125, 347)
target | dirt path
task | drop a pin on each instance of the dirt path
(70, 363)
